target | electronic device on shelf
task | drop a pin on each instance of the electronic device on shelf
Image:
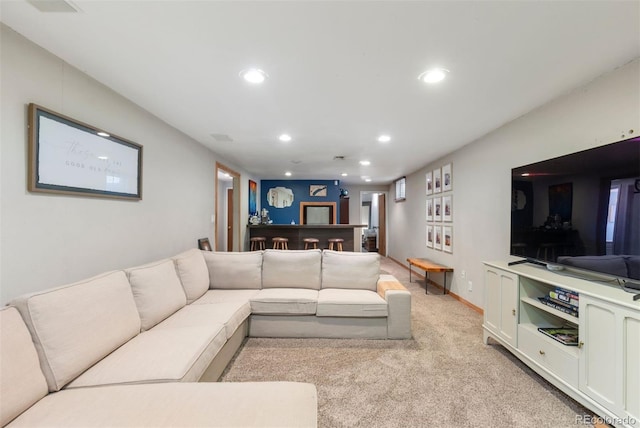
(580, 211)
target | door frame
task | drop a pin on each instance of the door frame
(386, 216)
(236, 208)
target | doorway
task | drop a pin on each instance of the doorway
(227, 207)
(373, 213)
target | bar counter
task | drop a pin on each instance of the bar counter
(297, 232)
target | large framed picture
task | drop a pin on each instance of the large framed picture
(73, 158)
(253, 196)
(318, 190)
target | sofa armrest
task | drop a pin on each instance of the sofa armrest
(399, 305)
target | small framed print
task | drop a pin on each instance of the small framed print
(430, 209)
(430, 236)
(447, 178)
(447, 239)
(429, 182)
(437, 181)
(437, 209)
(447, 208)
(437, 237)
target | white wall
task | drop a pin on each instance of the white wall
(50, 240)
(599, 113)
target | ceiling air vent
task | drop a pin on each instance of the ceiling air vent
(54, 6)
(222, 138)
(338, 158)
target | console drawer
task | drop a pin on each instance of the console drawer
(559, 359)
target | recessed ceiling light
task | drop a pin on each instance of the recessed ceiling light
(103, 157)
(344, 174)
(384, 138)
(103, 134)
(253, 75)
(285, 137)
(365, 163)
(367, 180)
(288, 174)
(434, 75)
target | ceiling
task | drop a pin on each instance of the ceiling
(340, 72)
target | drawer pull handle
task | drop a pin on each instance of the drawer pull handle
(541, 352)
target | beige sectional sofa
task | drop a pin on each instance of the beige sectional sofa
(127, 348)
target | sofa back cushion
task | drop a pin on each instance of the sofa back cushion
(75, 326)
(633, 266)
(291, 269)
(234, 271)
(157, 291)
(358, 271)
(193, 273)
(613, 265)
(21, 380)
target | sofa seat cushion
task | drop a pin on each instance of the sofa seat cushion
(21, 380)
(158, 355)
(193, 273)
(291, 269)
(285, 301)
(210, 404)
(344, 269)
(231, 314)
(334, 302)
(157, 291)
(222, 296)
(234, 270)
(76, 325)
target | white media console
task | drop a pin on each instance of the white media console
(603, 372)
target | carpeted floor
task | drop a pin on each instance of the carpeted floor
(444, 377)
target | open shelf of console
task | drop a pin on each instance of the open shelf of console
(602, 372)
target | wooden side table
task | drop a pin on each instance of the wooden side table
(428, 266)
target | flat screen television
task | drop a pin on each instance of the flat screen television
(581, 210)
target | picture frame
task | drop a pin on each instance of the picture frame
(447, 208)
(204, 244)
(447, 239)
(437, 237)
(253, 197)
(429, 182)
(319, 190)
(430, 236)
(437, 209)
(429, 209)
(72, 158)
(447, 178)
(437, 180)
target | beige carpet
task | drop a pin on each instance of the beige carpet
(444, 377)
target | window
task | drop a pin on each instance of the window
(400, 189)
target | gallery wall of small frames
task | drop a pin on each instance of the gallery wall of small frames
(439, 209)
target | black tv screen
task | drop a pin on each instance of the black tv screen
(581, 210)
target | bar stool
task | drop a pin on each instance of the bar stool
(280, 243)
(310, 241)
(258, 243)
(337, 241)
